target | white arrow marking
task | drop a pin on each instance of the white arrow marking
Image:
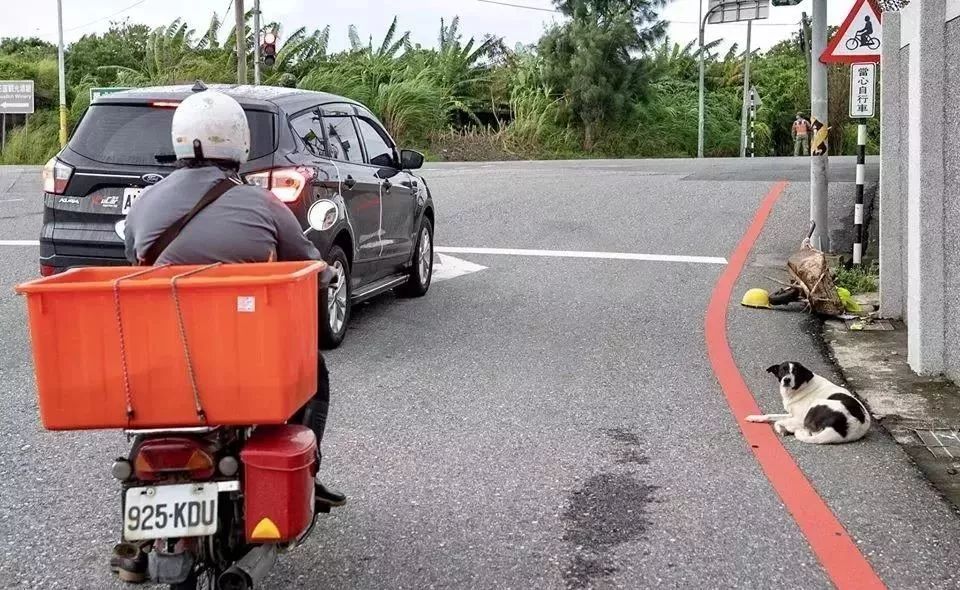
(21, 105)
(448, 267)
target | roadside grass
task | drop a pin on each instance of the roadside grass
(858, 279)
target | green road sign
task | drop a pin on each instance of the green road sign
(96, 93)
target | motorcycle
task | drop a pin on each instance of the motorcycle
(213, 507)
(215, 486)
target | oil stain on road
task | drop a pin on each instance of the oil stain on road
(609, 509)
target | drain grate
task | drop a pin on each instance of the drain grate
(943, 443)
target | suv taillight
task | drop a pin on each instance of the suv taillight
(56, 175)
(160, 458)
(287, 184)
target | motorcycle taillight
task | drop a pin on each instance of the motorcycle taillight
(162, 458)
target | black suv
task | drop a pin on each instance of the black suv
(311, 149)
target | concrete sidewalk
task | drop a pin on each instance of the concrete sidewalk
(921, 413)
(900, 523)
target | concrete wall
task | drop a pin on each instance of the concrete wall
(894, 73)
(920, 170)
(952, 198)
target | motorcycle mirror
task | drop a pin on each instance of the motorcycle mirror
(323, 215)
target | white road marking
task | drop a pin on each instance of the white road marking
(578, 254)
(457, 267)
(448, 267)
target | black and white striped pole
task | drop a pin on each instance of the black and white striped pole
(862, 102)
(858, 206)
(753, 120)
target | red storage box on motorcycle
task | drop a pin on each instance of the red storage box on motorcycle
(279, 463)
(166, 346)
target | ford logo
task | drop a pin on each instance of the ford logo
(151, 178)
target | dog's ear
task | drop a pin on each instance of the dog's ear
(774, 370)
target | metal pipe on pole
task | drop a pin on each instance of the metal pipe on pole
(240, 32)
(819, 164)
(62, 76)
(256, 42)
(744, 112)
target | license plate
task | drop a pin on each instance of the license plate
(161, 512)
(129, 196)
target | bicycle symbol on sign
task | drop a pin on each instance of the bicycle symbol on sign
(864, 37)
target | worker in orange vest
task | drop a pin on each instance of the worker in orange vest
(801, 135)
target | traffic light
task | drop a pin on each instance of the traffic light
(785, 2)
(268, 49)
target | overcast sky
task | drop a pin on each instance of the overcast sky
(421, 17)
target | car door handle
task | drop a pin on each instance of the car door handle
(350, 182)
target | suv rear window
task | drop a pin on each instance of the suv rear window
(137, 135)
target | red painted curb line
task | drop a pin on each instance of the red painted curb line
(837, 552)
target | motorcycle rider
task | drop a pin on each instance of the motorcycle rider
(245, 223)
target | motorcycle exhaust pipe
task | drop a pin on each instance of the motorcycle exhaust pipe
(251, 570)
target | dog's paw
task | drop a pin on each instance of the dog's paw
(781, 429)
(756, 418)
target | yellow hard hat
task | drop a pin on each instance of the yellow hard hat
(756, 298)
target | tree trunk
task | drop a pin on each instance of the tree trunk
(587, 136)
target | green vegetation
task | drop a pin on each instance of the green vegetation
(858, 279)
(606, 82)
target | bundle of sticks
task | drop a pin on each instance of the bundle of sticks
(811, 274)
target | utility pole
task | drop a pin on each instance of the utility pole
(700, 115)
(805, 22)
(256, 42)
(62, 76)
(240, 32)
(746, 94)
(819, 153)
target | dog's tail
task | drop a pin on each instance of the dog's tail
(827, 436)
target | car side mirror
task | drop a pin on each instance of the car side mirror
(410, 159)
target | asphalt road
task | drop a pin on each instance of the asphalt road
(542, 423)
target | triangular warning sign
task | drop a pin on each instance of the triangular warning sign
(858, 38)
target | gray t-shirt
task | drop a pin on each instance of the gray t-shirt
(246, 224)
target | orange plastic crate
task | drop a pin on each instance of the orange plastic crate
(251, 330)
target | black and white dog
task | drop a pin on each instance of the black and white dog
(819, 411)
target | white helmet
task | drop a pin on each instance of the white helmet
(214, 120)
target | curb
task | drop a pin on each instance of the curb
(922, 414)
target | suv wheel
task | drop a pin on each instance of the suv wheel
(421, 272)
(338, 300)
